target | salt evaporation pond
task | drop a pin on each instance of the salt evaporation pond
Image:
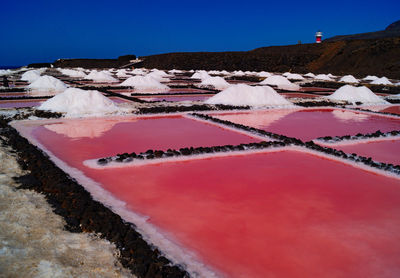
(382, 150)
(118, 100)
(307, 124)
(255, 215)
(98, 137)
(20, 103)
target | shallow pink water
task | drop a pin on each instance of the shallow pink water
(316, 89)
(95, 138)
(395, 109)
(387, 151)
(118, 100)
(177, 98)
(282, 214)
(19, 103)
(309, 124)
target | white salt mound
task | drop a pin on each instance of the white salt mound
(30, 75)
(264, 74)
(286, 74)
(101, 76)
(159, 76)
(139, 71)
(382, 81)
(370, 78)
(48, 83)
(5, 72)
(200, 75)
(243, 95)
(73, 73)
(238, 73)
(310, 74)
(294, 76)
(356, 94)
(145, 83)
(216, 82)
(349, 79)
(77, 103)
(281, 82)
(331, 75)
(323, 77)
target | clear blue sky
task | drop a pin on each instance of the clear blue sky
(42, 31)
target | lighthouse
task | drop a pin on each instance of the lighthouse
(318, 37)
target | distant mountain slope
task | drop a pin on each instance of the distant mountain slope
(393, 30)
(357, 57)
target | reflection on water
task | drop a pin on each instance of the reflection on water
(85, 128)
(345, 116)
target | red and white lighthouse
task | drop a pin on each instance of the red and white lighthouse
(318, 37)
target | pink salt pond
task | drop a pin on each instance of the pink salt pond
(387, 151)
(275, 214)
(99, 137)
(307, 124)
(118, 100)
(20, 103)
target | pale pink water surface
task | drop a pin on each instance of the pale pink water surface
(119, 100)
(309, 124)
(20, 103)
(99, 137)
(387, 151)
(279, 214)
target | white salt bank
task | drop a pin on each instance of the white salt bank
(310, 74)
(30, 75)
(370, 78)
(356, 94)
(217, 83)
(382, 81)
(281, 82)
(145, 84)
(323, 77)
(294, 76)
(78, 103)
(73, 73)
(200, 75)
(245, 95)
(101, 77)
(48, 83)
(349, 79)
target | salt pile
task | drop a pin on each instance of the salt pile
(101, 76)
(243, 95)
(323, 77)
(139, 71)
(73, 73)
(348, 79)
(331, 75)
(160, 76)
(175, 71)
(294, 76)
(215, 82)
(122, 73)
(238, 73)
(30, 75)
(370, 78)
(145, 83)
(310, 74)
(77, 103)
(382, 81)
(48, 83)
(5, 72)
(281, 82)
(200, 75)
(264, 74)
(356, 94)
(286, 74)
